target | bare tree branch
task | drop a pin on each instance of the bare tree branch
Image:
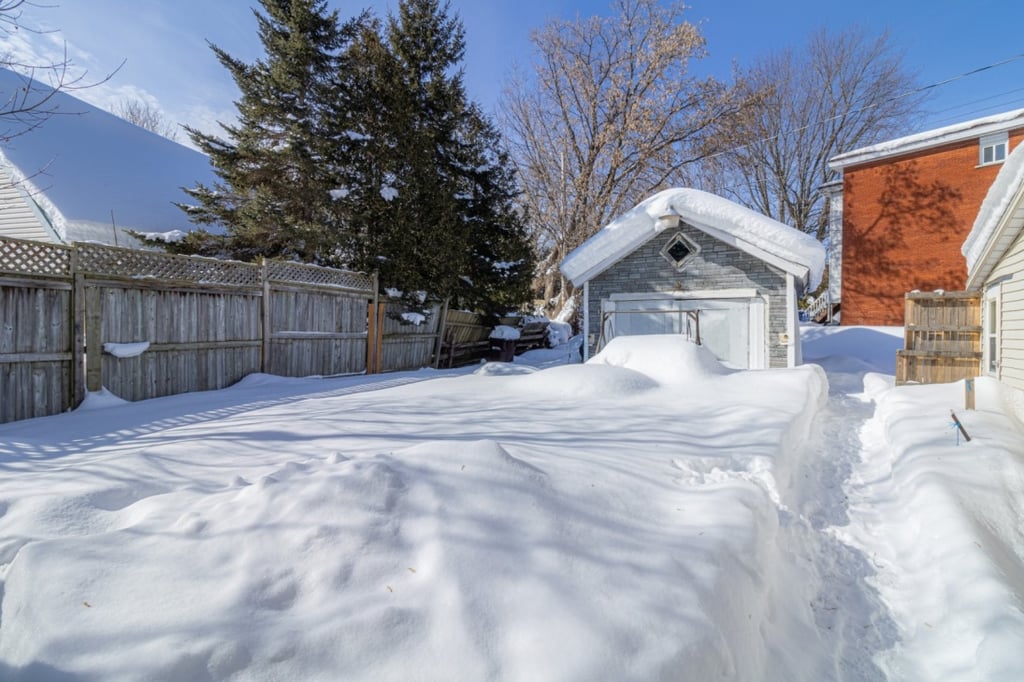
(145, 115)
(610, 115)
(838, 93)
(32, 102)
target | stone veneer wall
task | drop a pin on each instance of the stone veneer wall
(717, 266)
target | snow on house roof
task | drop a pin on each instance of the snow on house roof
(792, 250)
(88, 169)
(930, 138)
(999, 222)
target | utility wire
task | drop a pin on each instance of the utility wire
(915, 91)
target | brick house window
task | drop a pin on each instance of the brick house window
(993, 149)
(679, 250)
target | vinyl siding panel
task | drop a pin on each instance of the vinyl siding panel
(1012, 319)
(18, 218)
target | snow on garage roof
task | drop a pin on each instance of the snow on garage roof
(930, 138)
(793, 251)
(999, 222)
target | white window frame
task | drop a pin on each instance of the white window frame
(991, 319)
(992, 143)
(691, 246)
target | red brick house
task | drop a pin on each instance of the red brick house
(904, 207)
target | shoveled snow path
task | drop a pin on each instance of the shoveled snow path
(852, 620)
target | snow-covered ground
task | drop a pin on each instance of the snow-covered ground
(651, 515)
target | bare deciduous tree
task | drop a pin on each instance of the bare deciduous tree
(145, 115)
(610, 115)
(29, 105)
(841, 92)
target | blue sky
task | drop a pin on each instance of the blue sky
(167, 61)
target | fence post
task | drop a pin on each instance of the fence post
(374, 329)
(371, 336)
(266, 309)
(440, 334)
(78, 381)
(93, 337)
(378, 354)
(375, 337)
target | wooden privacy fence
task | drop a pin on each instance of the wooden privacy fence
(70, 316)
(403, 339)
(38, 363)
(942, 338)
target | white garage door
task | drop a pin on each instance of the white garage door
(731, 328)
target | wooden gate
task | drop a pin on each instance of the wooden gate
(942, 338)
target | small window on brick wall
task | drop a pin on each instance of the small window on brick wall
(679, 250)
(993, 149)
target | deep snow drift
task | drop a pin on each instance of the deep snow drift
(650, 515)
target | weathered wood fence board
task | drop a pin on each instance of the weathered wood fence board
(37, 362)
(402, 342)
(208, 323)
(942, 338)
(198, 341)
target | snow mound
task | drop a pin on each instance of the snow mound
(500, 369)
(585, 381)
(667, 358)
(852, 349)
(505, 332)
(101, 399)
(559, 333)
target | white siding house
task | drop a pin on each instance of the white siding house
(994, 251)
(87, 175)
(20, 216)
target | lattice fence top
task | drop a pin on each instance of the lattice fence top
(301, 273)
(117, 262)
(34, 258)
(54, 260)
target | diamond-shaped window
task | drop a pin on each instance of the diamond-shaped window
(679, 250)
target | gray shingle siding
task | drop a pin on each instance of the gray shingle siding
(717, 266)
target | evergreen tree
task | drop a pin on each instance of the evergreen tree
(277, 164)
(431, 203)
(500, 269)
(356, 146)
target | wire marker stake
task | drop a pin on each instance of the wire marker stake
(959, 428)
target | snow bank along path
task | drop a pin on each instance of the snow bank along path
(622, 520)
(942, 524)
(921, 548)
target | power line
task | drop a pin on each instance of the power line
(915, 91)
(971, 73)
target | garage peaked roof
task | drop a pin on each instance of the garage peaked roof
(1000, 220)
(791, 250)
